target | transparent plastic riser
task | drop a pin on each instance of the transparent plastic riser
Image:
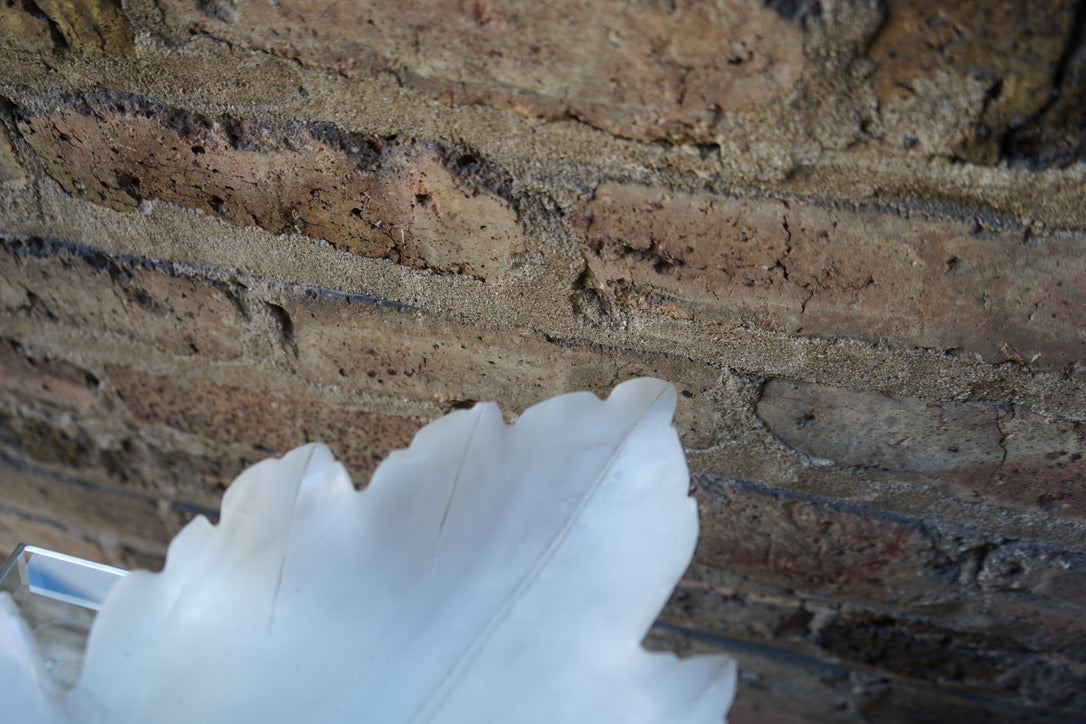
(58, 596)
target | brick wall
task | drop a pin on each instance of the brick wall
(852, 233)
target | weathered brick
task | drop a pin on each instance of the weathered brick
(25, 28)
(269, 422)
(870, 429)
(70, 501)
(951, 79)
(779, 685)
(812, 543)
(91, 26)
(39, 436)
(954, 659)
(1013, 456)
(642, 71)
(192, 478)
(412, 202)
(837, 550)
(404, 354)
(40, 379)
(914, 647)
(799, 268)
(173, 313)
(1057, 576)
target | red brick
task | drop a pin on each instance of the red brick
(404, 354)
(641, 71)
(952, 578)
(1043, 469)
(807, 543)
(410, 202)
(951, 78)
(269, 422)
(800, 268)
(172, 313)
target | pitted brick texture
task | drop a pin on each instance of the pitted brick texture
(797, 268)
(264, 420)
(649, 71)
(172, 313)
(412, 202)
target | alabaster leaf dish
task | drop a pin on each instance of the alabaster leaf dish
(488, 573)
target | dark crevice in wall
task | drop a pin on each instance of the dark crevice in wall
(32, 9)
(1056, 137)
(796, 10)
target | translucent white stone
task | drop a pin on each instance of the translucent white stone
(488, 573)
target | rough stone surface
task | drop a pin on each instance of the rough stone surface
(651, 71)
(23, 27)
(151, 306)
(89, 26)
(264, 420)
(870, 429)
(403, 354)
(1014, 455)
(952, 79)
(1055, 137)
(870, 274)
(851, 233)
(410, 202)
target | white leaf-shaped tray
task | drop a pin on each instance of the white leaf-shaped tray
(488, 573)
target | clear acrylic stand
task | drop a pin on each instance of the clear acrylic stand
(58, 596)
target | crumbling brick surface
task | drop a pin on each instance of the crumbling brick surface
(144, 303)
(413, 202)
(271, 423)
(984, 451)
(649, 71)
(393, 352)
(872, 274)
(850, 233)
